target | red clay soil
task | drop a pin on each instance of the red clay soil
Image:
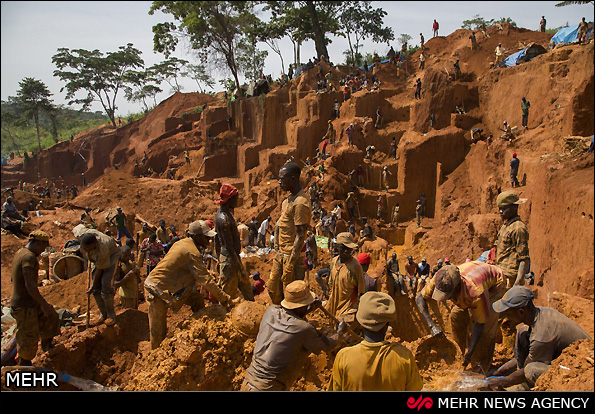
(245, 142)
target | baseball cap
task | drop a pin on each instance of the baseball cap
(515, 297)
(375, 310)
(508, 198)
(346, 239)
(446, 280)
(201, 227)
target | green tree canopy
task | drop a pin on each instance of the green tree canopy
(33, 97)
(100, 76)
(213, 28)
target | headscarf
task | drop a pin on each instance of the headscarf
(226, 192)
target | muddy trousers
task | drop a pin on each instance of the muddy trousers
(280, 277)
(231, 278)
(158, 314)
(103, 291)
(461, 324)
(32, 325)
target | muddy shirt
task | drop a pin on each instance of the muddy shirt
(379, 366)
(281, 348)
(295, 211)
(512, 246)
(393, 266)
(176, 274)
(550, 333)
(481, 285)
(24, 258)
(225, 223)
(128, 289)
(347, 284)
(162, 235)
(106, 254)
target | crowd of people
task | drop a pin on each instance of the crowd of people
(204, 264)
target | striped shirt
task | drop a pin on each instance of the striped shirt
(481, 284)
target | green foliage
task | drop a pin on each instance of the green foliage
(570, 3)
(213, 28)
(19, 133)
(477, 22)
(100, 76)
(360, 21)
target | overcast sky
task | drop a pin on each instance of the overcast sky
(32, 32)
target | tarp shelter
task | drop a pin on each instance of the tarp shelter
(372, 65)
(524, 55)
(566, 35)
(259, 87)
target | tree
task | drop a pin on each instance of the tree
(569, 3)
(360, 21)
(200, 75)
(213, 28)
(305, 20)
(100, 76)
(139, 87)
(168, 71)
(32, 98)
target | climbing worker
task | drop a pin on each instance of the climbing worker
(542, 334)
(120, 218)
(514, 170)
(284, 341)
(103, 253)
(174, 280)
(35, 317)
(290, 233)
(473, 287)
(375, 364)
(525, 105)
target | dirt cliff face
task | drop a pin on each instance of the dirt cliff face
(246, 141)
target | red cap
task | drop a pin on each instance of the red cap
(363, 258)
(514, 154)
(226, 192)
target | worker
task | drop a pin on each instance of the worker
(346, 281)
(582, 31)
(290, 233)
(284, 341)
(141, 235)
(375, 364)
(525, 105)
(395, 219)
(162, 234)
(35, 318)
(512, 245)
(392, 271)
(473, 287)
(514, 170)
(542, 24)
(127, 279)
(411, 270)
(364, 260)
(173, 281)
(232, 274)
(87, 220)
(541, 337)
(121, 228)
(103, 253)
(499, 55)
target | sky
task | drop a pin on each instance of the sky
(33, 31)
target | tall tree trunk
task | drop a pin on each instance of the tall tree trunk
(36, 117)
(318, 34)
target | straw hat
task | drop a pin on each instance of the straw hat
(297, 294)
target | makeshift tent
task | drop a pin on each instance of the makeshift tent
(566, 35)
(524, 55)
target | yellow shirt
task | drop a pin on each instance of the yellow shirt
(130, 288)
(347, 284)
(380, 366)
(295, 211)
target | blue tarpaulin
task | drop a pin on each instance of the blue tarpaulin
(372, 65)
(524, 55)
(566, 35)
(514, 58)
